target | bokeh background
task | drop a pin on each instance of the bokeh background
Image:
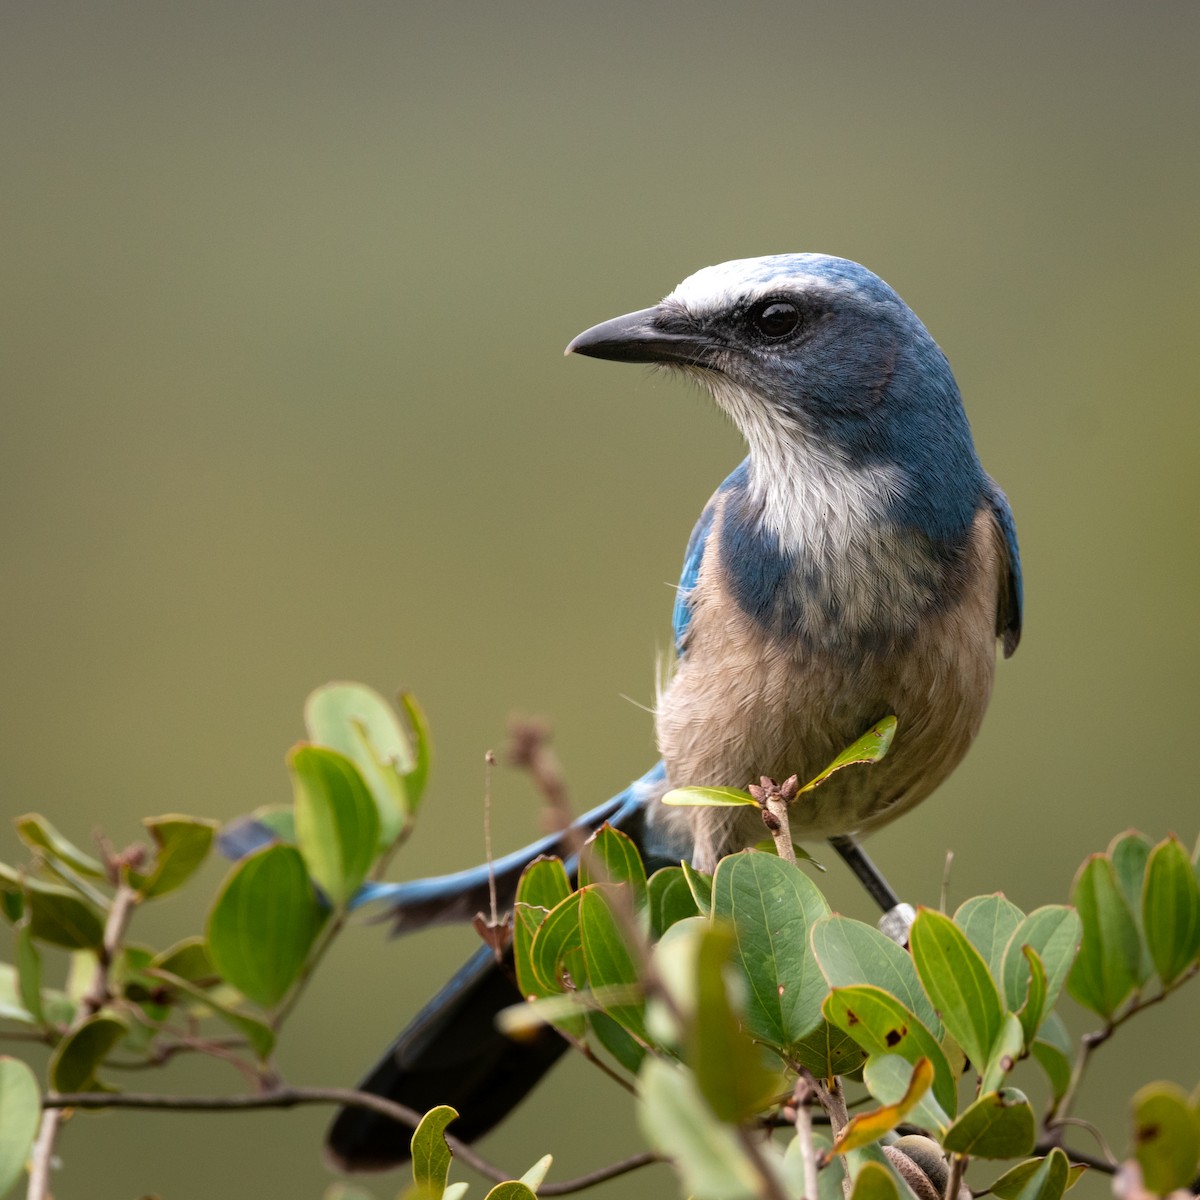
(285, 289)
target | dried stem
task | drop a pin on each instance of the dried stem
(283, 1096)
(803, 1097)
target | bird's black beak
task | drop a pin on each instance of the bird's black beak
(649, 336)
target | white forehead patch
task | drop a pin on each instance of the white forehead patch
(744, 280)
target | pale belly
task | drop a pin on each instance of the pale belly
(742, 705)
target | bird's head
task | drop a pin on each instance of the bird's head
(829, 375)
(806, 348)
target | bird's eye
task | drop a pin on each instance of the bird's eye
(775, 319)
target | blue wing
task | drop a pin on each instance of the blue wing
(681, 618)
(1012, 601)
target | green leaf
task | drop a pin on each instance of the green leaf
(1166, 1136)
(1129, 853)
(1053, 932)
(772, 906)
(11, 1006)
(182, 844)
(267, 902)
(888, 1077)
(611, 857)
(543, 886)
(557, 938)
(1106, 969)
(728, 1067)
(700, 885)
(79, 1055)
(874, 1182)
(20, 1112)
(609, 962)
(677, 1123)
(989, 922)
(187, 959)
(337, 823)
(882, 1025)
(38, 834)
(956, 978)
(867, 1127)
(416, 779)
(1006, 1050)
(670, 899)
(56, 914)
(1171, 910)
(617, 1040)
(998, 1125)
(829, 1051)
(536, 1175)
(1053, 1050)
(512, 1189)
(29, 973)
(869, 748)
(430, 1154)
(259, 1037)
(1031, 1012)
(358, 722)
(850, 952)
(1038, 1178)
(706, 797)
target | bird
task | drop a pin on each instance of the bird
(859, 563)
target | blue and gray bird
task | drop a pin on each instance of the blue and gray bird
(860, 562)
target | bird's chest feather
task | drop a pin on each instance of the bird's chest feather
(788, 663)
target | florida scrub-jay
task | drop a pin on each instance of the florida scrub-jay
(859, 562)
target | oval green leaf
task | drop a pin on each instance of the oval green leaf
(670, 899)
(543, 886)
(729, 1068)
(181, 845)
(704, 797)
(869, 748)
(1106, 968)
(337, 822)
(263, 924)
(38, 834)
(358, 722)
(607, 957)
(611, 857)
(957, 980)
(772, 906)
(989, 922)
(1166, 1137)
(882, 1025)
(20, 1112)
(78, 1056)
(850, 952)
(1054, 933)
(998, 1125)
(430, 1154)
(1171, 910)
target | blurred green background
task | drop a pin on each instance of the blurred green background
(285, 289)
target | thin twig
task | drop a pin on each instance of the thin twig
(119, 915)
(284, 1096)
(1076, 1156)
(958, 1164)
(489, 760)
(1090, 1042)
(1094, 1130)
(43, 1152)
(803, 1097)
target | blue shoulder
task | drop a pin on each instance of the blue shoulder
(1010, 608)
(681, 617)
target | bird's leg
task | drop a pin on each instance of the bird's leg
(897, 917)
